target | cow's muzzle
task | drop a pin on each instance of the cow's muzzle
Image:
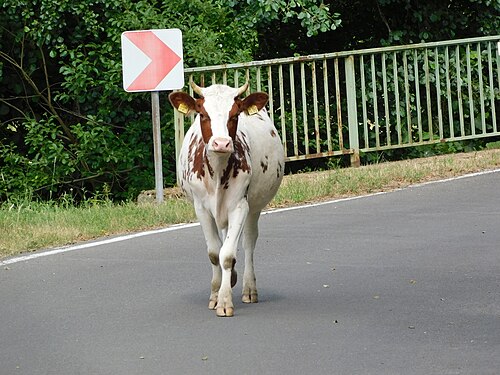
(222, 145)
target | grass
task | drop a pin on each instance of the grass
(340, 183)
(31, 226)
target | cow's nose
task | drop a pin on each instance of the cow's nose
(222, 145)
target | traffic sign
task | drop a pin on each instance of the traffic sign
(152, 60)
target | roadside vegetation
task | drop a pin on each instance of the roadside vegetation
(29, 226)
(76, 149)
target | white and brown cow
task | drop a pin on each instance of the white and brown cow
(230, 165)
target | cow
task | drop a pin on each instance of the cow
(230, 166)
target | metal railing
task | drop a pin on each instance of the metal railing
(374, 99)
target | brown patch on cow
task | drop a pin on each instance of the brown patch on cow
(206, 127)
(198, 159)
(214, 258)
(209, 167)
(229, 263)
(279, 171)
(273, 133)
(232, 122)
(234, 278)
(205, 121)
(264, 164)
(237, 161)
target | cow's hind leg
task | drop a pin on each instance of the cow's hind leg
(250, 234)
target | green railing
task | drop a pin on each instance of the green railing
(375, 99)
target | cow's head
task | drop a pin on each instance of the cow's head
(219, 108)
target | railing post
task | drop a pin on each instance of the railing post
(179, 135)
(352, 112)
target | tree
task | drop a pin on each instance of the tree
(314, 16)
(66, 123)
(375, 23)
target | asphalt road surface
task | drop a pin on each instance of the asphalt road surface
(401, 283)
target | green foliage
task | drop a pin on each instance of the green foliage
(493, 145)
(67, 126)
(314, 16)
(425, 151)
(366, 24)
(412, 21)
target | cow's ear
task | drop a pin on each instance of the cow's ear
(253, 103)
(182, 102)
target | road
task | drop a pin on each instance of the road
(406, 282)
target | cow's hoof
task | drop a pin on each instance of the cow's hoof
(228, 311)
(250, 298)
(212, 304)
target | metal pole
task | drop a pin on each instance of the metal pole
(155, 108)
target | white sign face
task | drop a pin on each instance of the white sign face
(152, 60)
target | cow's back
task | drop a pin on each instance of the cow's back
(267, 158)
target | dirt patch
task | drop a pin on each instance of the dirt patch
(149, 196)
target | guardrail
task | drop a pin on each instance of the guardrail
(374, 99)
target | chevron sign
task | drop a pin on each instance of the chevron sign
(152, 60)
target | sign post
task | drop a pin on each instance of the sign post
(152, 61)
(155, 109)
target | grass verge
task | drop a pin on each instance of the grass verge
(31, 226)
(340, 183)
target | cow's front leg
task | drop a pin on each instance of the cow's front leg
(216, 279)
(227, 257)
(214, 244)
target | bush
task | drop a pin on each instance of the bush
(68, 127)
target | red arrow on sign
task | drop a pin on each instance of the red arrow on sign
(163, 60)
